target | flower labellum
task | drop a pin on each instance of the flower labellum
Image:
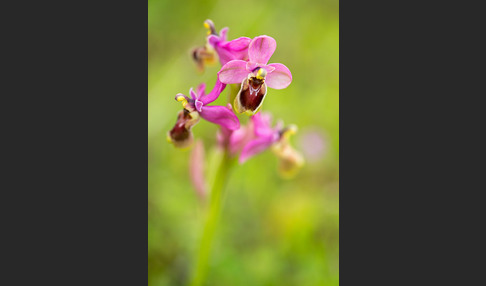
(181, 135)
(255, 75)
(252, 92)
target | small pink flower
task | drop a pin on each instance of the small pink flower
(226, 51)
(236, 49)
(255, 75)
(198, 102)
(276, 138)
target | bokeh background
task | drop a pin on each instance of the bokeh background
(273, 231)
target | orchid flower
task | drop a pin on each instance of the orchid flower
(255, 75)
(266, 137)
(236, 49)
(198, 102)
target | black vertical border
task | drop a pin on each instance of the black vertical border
(408, 128)
(75, 193)
(379, 223)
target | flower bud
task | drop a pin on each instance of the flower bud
(290, 160)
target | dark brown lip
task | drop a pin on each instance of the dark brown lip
(251, 101)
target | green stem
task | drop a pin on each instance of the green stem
(217, 194)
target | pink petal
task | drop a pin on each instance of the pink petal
(238, 135)
(214, 94)
(213, 40)
(196, 169)
(233, 72)
(198, 105)
(223, 33)
(220, 115)
(279, 125)
(262, 123)
(225, 55)
(193, 94)
(279, 78)
(261, 49)
(201, 90)
(237, 45)
(239, 138)
(253, 148)
(233, 50)
(269, 68)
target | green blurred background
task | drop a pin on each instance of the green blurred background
(272, 231)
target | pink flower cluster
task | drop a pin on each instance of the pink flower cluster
(244, 62)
